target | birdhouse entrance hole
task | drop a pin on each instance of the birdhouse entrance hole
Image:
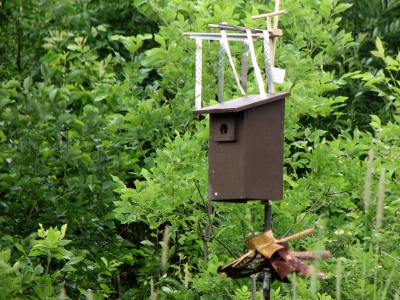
(223, 129)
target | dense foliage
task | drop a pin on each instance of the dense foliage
(103, 177)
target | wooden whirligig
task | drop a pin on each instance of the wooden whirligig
(275, 255)
(246, 148)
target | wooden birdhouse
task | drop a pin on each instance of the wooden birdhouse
(246, 148)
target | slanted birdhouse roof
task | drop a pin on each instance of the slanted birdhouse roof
(241, 103)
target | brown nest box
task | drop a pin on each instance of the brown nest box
(246, 148)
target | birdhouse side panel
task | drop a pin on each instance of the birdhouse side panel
(263, 160)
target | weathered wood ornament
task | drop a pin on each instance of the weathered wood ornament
(267, 252)
(246, 149)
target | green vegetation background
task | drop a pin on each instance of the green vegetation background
(99, 150)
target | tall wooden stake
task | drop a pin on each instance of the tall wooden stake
(272, 38)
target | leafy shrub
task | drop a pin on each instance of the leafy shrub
(98, 134)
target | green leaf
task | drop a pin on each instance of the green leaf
(377, 54)
(19, 247)
(3, 102)
(73, 47)
(41, 231)
(12, 84)
(73, 134)
(159, 39)
(53, 94)
(28, 83)
(342, 7)
(65, 253)
(40, 293)
(104, 287)
(74, 153)
(66, 118)
(5, 255)
(68, 268)
(74, 74)
(15, 95)
(64, 242)
(325, 9)
(63, 230)
(37, 253)
(377, 121)
(104, 260)
(38, 270)
(379, 46)
(75, 260)
(147, 243)
(52, 236)
(48, 46)
(94, 31)
(101, 28)
(57, 256)
(48, 291)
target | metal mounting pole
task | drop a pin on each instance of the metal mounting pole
(267, 214)
(266, 283)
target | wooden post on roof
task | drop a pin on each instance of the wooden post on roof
(273, 28)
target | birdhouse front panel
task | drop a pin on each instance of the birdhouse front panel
(225, 156)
